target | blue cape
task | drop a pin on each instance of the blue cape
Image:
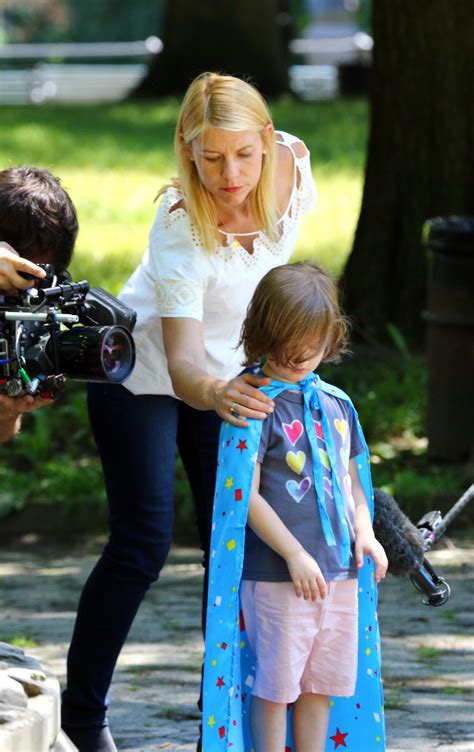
(356, 723)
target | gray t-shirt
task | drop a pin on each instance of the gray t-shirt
(287, 484)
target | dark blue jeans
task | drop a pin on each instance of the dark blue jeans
(136, 437)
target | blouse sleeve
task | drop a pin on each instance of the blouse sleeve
(175, 262)
(307, 191)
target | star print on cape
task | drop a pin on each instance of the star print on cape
(229, 673)
(338, 739)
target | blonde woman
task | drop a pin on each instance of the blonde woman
(230, 216)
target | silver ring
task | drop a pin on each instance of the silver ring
(233, 411)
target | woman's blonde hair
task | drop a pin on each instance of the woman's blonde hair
(295, 308)
(230, 103)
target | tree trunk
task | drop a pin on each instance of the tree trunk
(243, 39)
(420, 156)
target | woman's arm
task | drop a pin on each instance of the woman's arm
(184, 347)
(366, 543)
(264, 521)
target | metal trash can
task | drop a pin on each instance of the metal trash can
(450, 336)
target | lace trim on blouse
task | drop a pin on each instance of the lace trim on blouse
(173, 294)
(301, 198)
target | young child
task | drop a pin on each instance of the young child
(309, 525)
(38, 223)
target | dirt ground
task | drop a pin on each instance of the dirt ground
(428, 653)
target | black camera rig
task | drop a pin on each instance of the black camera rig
(432, 526)
(59, 328)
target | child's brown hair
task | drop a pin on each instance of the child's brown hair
(294, 308)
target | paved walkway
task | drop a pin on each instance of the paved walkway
(428, 653)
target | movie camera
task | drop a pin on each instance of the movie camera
(58, 329)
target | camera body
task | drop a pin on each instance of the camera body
(59, 329)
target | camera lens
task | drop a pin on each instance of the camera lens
(95, 353)
(116, 354)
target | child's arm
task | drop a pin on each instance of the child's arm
(264, 521)
(366, 543)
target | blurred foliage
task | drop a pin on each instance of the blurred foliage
(113, 159)
(364, 15)
(300, 16)
(80, 20)
(389, 391)
(19, 641)
(52, 463)
(103, 20)
(114, 20)
(34, 20)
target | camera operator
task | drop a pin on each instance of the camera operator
(38, 223)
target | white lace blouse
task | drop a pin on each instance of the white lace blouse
(179, 278)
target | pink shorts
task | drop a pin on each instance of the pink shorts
(301, 646)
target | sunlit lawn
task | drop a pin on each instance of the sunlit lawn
(113, 158)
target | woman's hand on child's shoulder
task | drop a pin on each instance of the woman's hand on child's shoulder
(306, 575)
(368, 545)
(240, 398)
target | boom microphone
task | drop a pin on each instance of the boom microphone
(402, 541)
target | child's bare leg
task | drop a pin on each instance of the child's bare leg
(310, 722)
(268, 723)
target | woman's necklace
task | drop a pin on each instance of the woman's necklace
(232, 242)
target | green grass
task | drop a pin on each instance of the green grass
(449, 614)
(456, 690)
(395, 701)
(171, 713)
(19, 641)
(428, 653)
(113, 159)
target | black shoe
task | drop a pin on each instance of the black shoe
(91, 739)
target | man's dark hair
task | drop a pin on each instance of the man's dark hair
(37, 217)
